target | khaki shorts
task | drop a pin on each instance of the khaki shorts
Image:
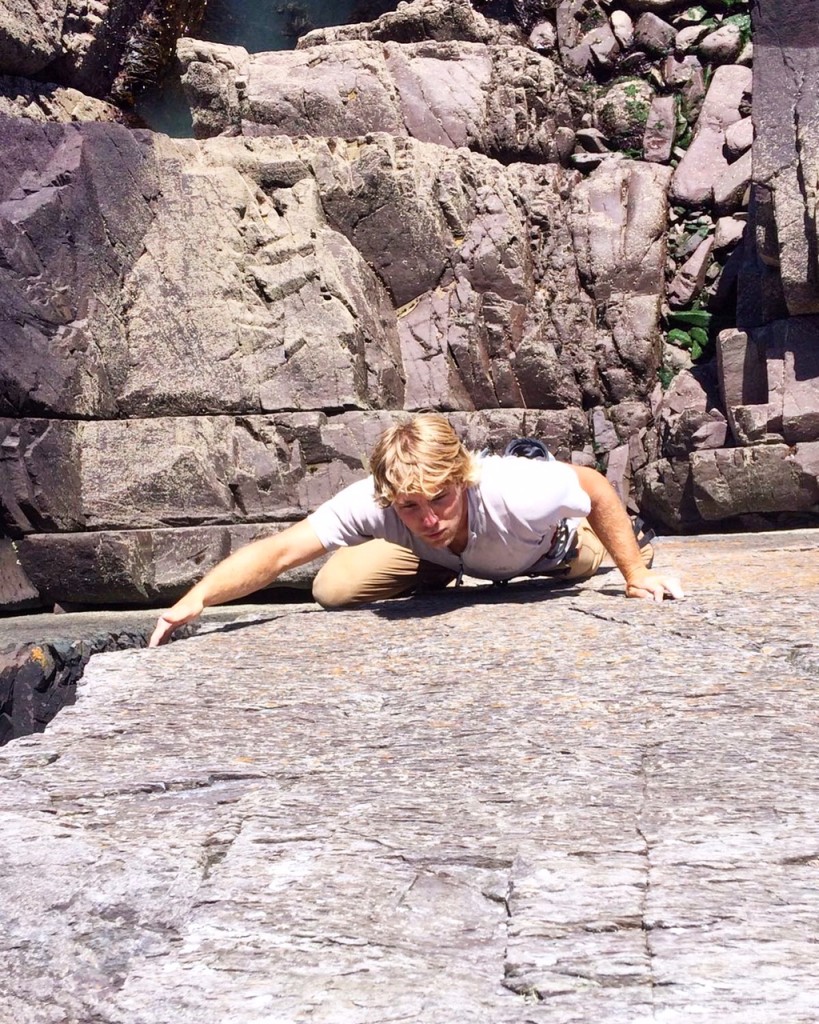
(377, 570)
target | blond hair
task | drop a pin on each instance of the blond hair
(420, 456)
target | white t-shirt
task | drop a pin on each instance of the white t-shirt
(514, 511)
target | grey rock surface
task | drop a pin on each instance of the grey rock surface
(42, 656)
(495, 806)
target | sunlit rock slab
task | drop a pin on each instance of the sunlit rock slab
(499, 805)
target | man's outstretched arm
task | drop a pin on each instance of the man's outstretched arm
(249, 569)
(611, 523)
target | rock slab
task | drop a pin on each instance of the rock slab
(498, 805)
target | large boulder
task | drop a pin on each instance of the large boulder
(280, 260)
(618, 224)
(75, 203)
(439, 20)
(730, 482)
(503, 100)
(706, 159)
(152, 262)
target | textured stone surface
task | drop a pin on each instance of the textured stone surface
(42, 656)
(761, 478)
(39, 101)
(271, 823)
(438, 20)
(106, 568)
(584, 34)
(30, 35)
(792, 353)
(214, 469)
(506, 101)
(315, 274)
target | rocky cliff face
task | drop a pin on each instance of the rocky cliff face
(551, 220)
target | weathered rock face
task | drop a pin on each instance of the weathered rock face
(769, 368)
(525, 223)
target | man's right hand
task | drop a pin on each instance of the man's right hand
(249, 569)
(182, 612)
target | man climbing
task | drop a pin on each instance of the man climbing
(432, 511)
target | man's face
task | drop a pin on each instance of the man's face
(440, 520)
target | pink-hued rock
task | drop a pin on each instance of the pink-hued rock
(658, 139)
(689, 280)
(618, 471)
(654, 35)
(786, 154)
(689, 416)
(664, 488)
(40, 101)
(452, 93)
(732, 482)
(732, 185)
(30, 35)
(728, 231)
(711, 433)
(605, 436)
(688, 37)
(739, 136)
(755, 424)
(435, 20)
(136, 567)
(792, 351)
(622, 25)
(584, 35)
(721, 46)
(705, 160)
(620, 251)
(621, 112)
(17, 592)
(742, 372)
(40, 483)
(678, 71)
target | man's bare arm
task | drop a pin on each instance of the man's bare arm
(249, 569)
(611, 523)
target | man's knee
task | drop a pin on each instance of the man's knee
(588, 554)
(331, 590)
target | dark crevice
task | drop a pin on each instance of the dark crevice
(39, 680)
